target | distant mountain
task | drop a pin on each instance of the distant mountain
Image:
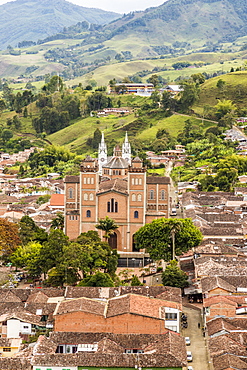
(36, 19)
(176, 22)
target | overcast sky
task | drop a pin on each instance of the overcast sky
(119, 6)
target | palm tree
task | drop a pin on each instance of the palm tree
(108, 225)
(58, 221)
(175, 227)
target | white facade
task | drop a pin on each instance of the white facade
(172, 319)
(15, 327)
(102, 154)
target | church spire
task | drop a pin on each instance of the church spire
(102, 153)
(126, 149)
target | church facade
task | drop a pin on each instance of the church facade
(118, 187)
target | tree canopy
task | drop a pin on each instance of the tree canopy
(174, 276)
(156, 237)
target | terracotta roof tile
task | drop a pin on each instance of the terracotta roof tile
(72, 179)
(118, 185)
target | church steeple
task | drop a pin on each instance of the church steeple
(102, 153)
(126, 149)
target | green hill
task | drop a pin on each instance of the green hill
(33, 19)
(178, 28)
(234, 89)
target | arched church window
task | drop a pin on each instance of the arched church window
(85, 196)
(91, 196)
(136, 214)
(133, 197)
(139, 197)
(162, 195)
(151, 194)
(88, 213)
(112, 206)
(71, 193)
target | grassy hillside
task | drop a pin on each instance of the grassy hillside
(75, 136)
(234, 89)
(211, 63)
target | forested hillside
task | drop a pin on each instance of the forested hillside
(23, 20)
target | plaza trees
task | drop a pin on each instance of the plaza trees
(174, 276)
(158, 237)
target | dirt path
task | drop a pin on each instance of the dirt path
(198, 343)
(200, 119)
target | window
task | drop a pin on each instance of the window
(88, 180)
(133, 197)
(139, 197)
(92, 180)
(133, 181)
(134, 351)
(59, 349)
(171, 316)
(6, 349)
(85, 180)
(137, 181)
(85, 196)
(71, 193)
(25, 327)
(136, 214)
(162, 195)
(88, 213)
(140, 181)
(151, 194)
(91, 196)
(112, 206)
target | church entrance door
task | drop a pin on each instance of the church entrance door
(113, 241)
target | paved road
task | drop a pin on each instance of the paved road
(198, 343)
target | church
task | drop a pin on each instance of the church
(116, 186)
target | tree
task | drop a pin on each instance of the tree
(156, 237)
(154, 79)
(135, 281)
(2, 105)
(167, 101)
(220, 84)
(55, 84)
(93, 254)
(58, 221)
(30, 232)
(6, 135)
(52, 251)
(189, 95)
(198, 78)
(108, 225)
(174, 276)
(223, 107)
(28, 257)
(9, 238)
(100, 279)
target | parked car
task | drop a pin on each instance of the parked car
(190, 368)
(187, 341)
(189, 356)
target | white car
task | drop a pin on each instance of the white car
(190, 368)
(187, 341)
(189, 356)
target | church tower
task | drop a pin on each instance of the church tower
(102, 154)
(126, 150)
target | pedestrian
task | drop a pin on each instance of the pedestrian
(199, 325)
